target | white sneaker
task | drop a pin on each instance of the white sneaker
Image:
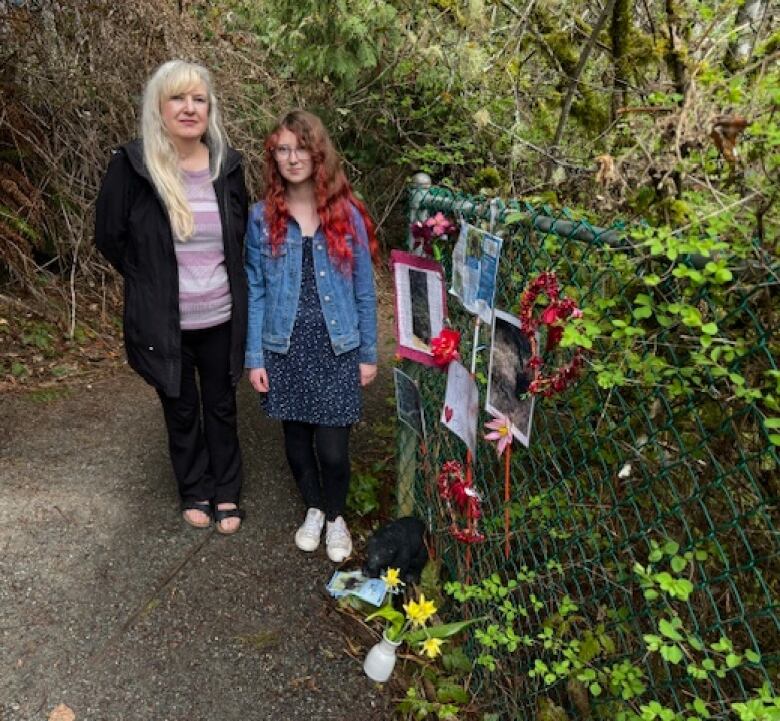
(337, 540)
(307, 537)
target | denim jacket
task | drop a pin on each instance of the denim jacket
(348, 300)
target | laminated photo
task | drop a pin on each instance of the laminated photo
(475, 269)
(510, 375)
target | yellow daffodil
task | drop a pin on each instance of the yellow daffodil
(392, 578)
(431, 647)
(418, 612)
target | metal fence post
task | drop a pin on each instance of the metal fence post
(407, 461)
(421, 184)
(407, 440)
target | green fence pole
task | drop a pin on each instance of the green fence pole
(421, 184)
(407, 439)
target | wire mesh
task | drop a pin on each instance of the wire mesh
(625, 491)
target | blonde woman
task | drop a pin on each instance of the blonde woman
(170, 217)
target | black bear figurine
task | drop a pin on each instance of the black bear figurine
(400, 544)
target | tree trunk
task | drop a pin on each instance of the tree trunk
(575, 77)
(746, 25)
(674, 56)
(620, 32)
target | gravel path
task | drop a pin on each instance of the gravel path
(110, 604)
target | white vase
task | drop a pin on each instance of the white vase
(380, 660)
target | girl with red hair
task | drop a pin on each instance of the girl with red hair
(311, 340)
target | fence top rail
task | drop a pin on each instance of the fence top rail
(563, 223)
(514, 211)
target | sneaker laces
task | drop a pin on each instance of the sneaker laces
(312, 524)
(338, 533)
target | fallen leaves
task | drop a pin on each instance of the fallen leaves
(607, 173)
(725, 131)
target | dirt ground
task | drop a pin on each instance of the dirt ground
(111, 605)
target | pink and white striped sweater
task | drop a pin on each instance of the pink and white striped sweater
(204, 289)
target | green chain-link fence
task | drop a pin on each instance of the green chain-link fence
(643, 576)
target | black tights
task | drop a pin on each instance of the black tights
(332, 445)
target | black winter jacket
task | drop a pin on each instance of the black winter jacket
(133, 231)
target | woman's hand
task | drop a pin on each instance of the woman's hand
(367, 373)
(259, 379)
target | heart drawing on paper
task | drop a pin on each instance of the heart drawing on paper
(447, 414)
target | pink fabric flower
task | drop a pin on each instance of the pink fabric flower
(425, 232)
(439, 224)
(501, 432)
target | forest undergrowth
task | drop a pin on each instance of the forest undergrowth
(648, 111)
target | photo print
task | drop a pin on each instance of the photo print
(510, 375)
(408, 402)
(421, 317)
(475, 269)
(420, 304)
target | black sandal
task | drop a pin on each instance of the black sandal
(202, 506)
(220, 514)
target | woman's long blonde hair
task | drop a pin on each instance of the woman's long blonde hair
(160, 156)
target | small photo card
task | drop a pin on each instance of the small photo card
(354, 583)
(408, 402)
(461, 405)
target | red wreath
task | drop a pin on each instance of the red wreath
(555, 314)
(456, 490)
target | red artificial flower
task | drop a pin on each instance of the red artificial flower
(455, 489)
(445, 347)
(466, 498)
(551, 314)
(420, 230)
(451, 471)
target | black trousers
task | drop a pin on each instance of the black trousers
(324, 485)
(201, 422)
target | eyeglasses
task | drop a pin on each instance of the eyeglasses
(283, 152)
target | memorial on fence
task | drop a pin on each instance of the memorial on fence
(634, 570)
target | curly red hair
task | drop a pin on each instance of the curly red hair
(332, 190)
